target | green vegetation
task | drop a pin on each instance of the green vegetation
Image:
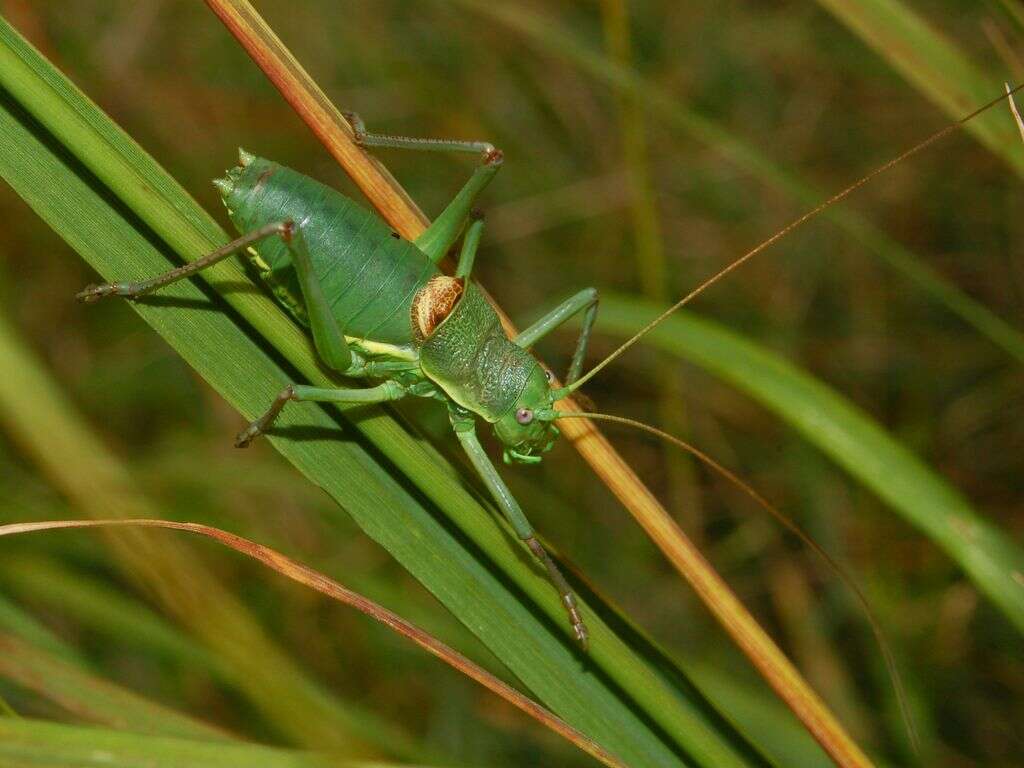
(902, 302)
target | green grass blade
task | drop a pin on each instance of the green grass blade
(1015, 9)
(776, 728)
(51, 745)
(103, 609)
(849, 436)
(122, 213)
(92, 699)
(678, 116)
(18, 623)
(934, 66)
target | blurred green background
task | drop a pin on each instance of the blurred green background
(593, 192)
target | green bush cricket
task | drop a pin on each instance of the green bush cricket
(379, 307)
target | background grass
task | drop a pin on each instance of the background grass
(788, 80)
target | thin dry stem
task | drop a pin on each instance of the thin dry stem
(395, 206)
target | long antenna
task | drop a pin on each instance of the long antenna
(844, 575)
(795, 224)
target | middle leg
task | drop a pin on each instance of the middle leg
(465, 430)
(386, 392)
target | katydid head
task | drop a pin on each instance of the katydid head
(524, 430)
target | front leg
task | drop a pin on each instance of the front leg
(389, 390)
(585, 300)
(465, 430)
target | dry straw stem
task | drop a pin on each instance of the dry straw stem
(395, 206)
(321, 583)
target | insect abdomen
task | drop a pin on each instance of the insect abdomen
(368, 274)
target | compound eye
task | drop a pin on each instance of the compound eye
(524, 415)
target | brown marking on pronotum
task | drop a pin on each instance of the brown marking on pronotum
(433, 303)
